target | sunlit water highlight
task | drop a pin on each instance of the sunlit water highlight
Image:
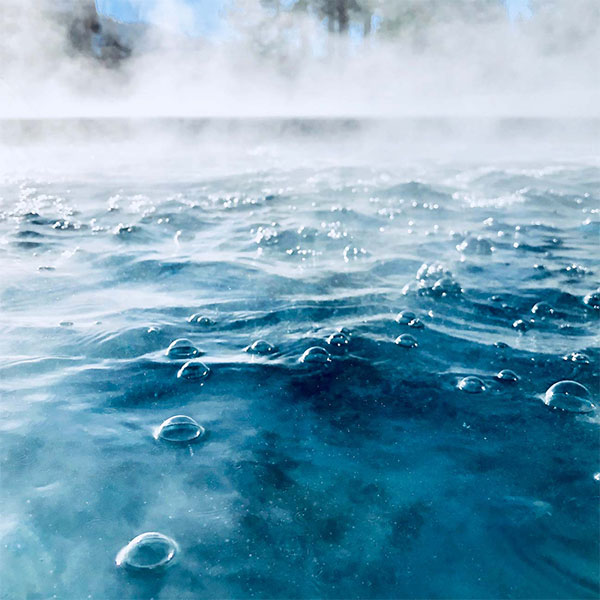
(355, 426)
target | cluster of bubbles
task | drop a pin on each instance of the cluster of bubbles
(564, 396)
(407, 317)
(153, 551)
(353, 253)
(474, 246)
(434, 280)
(592, 300)
(318, 358)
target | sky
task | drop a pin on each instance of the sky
(193, 17)
(204, 17)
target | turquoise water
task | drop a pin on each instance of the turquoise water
(375, 471)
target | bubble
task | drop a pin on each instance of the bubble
(593, 300)
(427, 271)
(569, 396)
(435, 279)
(501, 345)
(153, 329)
(542, 309)
(575, 270)
(316, 356)
(475, 245)
(338, 340)
(266, 236)
(472, 385)
(179, 428)
(182, 348)
(352, 253)
(147, 552)
(405, 317)
(124, 230)
(193, 370)
(260, 347)
(521, 325)
(577, 357)
(406, 341)
(416, 324)
(446, 286)
(508, 376)
(199, 319)
(345, 331)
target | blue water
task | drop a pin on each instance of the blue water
(371, 474)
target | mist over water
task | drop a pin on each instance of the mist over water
(301, 356)
(450, 62)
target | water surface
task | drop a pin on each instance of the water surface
(369, 474)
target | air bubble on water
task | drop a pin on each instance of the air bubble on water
(575, 270)
(501, 345)
(471, 384)
(338, 340)
(577, 357)
(405, 317)
(406, 341)
(352, 253)
(147, 552)
(507, 376)
(193, 370)
(446, 286)
(437, 280)
(475, 246)
(592, 300)
(260, 347)
(521, 325)
(152, 329)
(179, 428)
(569, 396)
(416, 324)
(266, 236)
(124, 230)
(200, 319)
(433, 271)
(316, 356)
(182, 348)
(183, 236)
(542, 309)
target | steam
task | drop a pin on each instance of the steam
(287, 64)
